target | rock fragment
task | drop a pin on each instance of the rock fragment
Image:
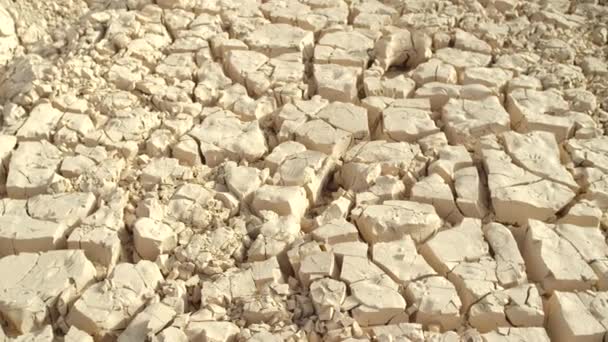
(67, 208)
(77, 335)
(321, 126)
(539, 110)
(461, 59)
(434, 70)
(538, 152)
(450, 160)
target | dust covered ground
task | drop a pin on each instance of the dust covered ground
(303, 170)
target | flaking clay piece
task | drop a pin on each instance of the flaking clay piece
(303, 170)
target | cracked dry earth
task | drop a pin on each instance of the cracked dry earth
(303, 170)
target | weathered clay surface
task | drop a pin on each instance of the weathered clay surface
(303, 170)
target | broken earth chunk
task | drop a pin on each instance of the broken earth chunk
(346, 48)
(510, 266)
(317, 265)
(152, 238)
(434, 301)
(540, 110)
(356, 269)
(518, 195)
(520, 306)
(283, 200)
(67, 208)
(435, 70)
(211, 331)
(77, 335)
(309, 169)
(32, 169)
(242, 180)
(433, 190)
(277, 39)
(400, 260)
(38, 286)
(466, 120)
(590, 243)
(467, 235)
(19, 234)
(472, 194)
(393, 220)
(107, 307)
(552, 261)
(377, 304)
(336, 231)
(409, 331)
(224, 136)
(402, 123)
(336, 82)
(516, 335)
(327, 296)
(461, 59)
(571, 318)
(274, 238)
(40, 124)
(539, 153)
(147, 323)
(451, 159)
(367, 161)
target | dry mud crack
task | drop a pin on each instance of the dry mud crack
(303, 170)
